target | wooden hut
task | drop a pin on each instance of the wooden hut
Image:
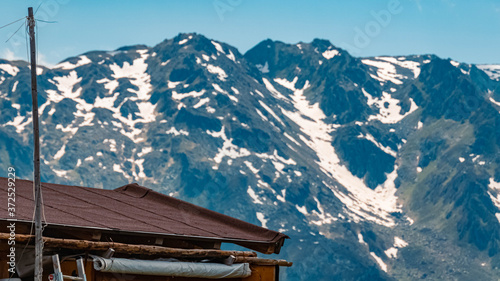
(130, 233)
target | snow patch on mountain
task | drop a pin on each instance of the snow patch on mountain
(494, 193)
(235, 90)
(10, 69)
(408, 64)
(292, 139)
(112, 144)
(492, 70)
(60, 173)
(268, 109)
(328, 54)
(287, 84)
(494, 102)
(386, 71)
(65, 90)
(253, 195)
(361, 239)
(83, 60)
(65, 85)
(364, 203)
(263, 68)
(221, 74)
(379, 261)
(184, 41)
(228, 148)
(252, 168)
(165, 63)
(385, 149)
(15, 86)
(144, 151)
(231, 56)
(19, 122)
(175, 132)
(201, 102)
(67, 129)
(391, 253)
(218, 47)
(139, 163)
(172, 85)
(60, 153)
(110, 85)
(117, 168)
(262, 219)
(389, 114)
(323, 217)
(137, 75)
(261, 115)
(400, 243)
(302, 210)
(273, 90)
(193, 94)
(278, 162)
(107, 102)
(219, 89)
(282, 196)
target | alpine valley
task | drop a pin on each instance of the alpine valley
(378, 168)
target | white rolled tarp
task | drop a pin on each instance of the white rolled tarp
(168, 268)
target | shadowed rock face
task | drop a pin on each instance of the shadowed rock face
(381, 168)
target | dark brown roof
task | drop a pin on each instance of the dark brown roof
(136, 209)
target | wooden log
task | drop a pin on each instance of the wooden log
(130, 248)
(260, 261)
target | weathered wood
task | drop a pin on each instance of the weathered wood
(260, 261)
(130, 248)
(262, 272)
(36, 152)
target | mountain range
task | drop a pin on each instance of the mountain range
(378, 168)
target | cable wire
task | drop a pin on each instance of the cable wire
(27, 48)
(36, 71)
(13, 22)
(46, 21)
(15, 32)
(36, 11)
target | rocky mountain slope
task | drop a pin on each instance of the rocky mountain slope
(382, 168)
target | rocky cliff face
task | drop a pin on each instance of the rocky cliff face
(381, 168)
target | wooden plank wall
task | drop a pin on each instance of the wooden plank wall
(259, 273)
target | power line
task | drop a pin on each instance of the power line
(15, 32)
(13, 22)
(46, 21)
(28, 60)
(38, 8)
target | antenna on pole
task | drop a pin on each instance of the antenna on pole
(36, 153)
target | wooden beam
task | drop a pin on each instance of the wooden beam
(259, 261)
(130, 248)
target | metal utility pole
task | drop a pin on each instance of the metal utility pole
(36, 153)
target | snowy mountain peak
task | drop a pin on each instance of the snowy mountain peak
(373, 163)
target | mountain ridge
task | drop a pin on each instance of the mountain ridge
(348, 156)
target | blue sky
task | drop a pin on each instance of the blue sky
(467, 31)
